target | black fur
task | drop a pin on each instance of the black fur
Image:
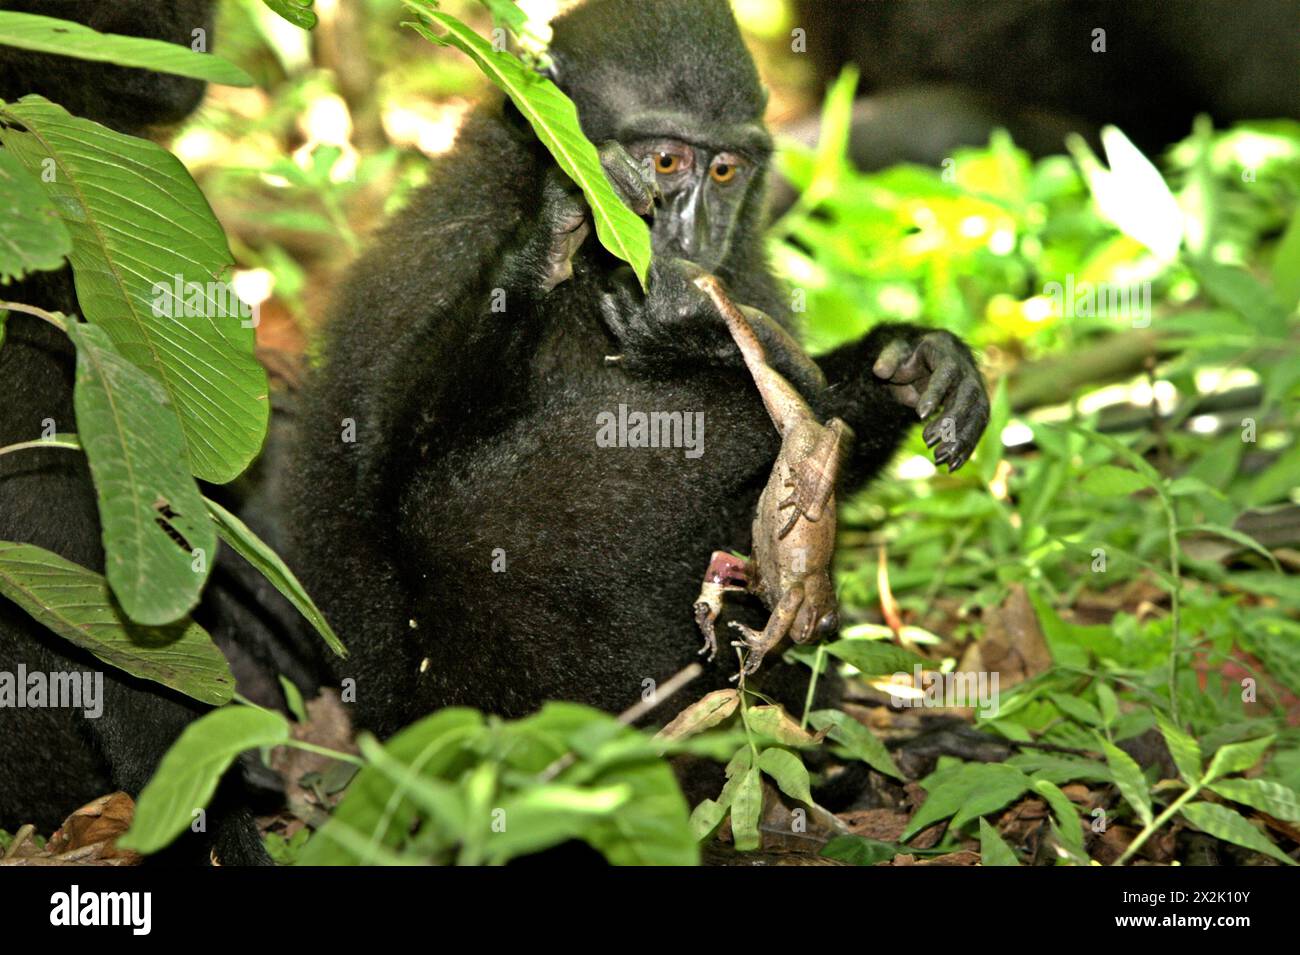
(476, 430)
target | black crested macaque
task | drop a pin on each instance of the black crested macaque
(53, 760)
(456, 510)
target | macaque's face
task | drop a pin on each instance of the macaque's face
(703, 189)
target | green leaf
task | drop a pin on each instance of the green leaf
(969, 790)
(1108, 704)
(746, 808)
(857, 739)
(1129, 780)
(1107, 480)
(788, 771)
(540, 817)
(268, 563)
(1286, 265)
(297, 12)
(76, 604)
(833, 141)
(1237, 537)
(554, 119)
(709, 813)
(293, 699)
(993, 851)
(859, 850)
(1277, 800)
(875, 657)
(1184, 749)
(32, 236)
(776, 724)
(1230, 826)
(39, 34)
(1233, 287)
(509, 13)
(382, 812)
(153, 522)
(1067, 817)
(189, 772)
(1238, 757)
(140, 227)
(1079, 710)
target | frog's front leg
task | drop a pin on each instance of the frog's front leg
(726, 572)
(778, 625)
(812, 478)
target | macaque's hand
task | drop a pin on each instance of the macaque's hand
(567, 218)
(673, 322)
(635, 183)
(937, 376)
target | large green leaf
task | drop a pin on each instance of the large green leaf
(993, 851)
(1273, 798)
(76, 604)
(857, 739)
(1238, 757)
(269, 564)
(297, 12)
(29, 31)
(875, 657)
(1108, 480)
(158, 542)
(965, 792)
(188, 774)
(1230, 826)
(32, 236)
(788, 771)
(139, 225)
(1184, 749)
(1129, 780)
(554, 119)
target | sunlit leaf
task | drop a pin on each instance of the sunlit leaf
(188, 774)
(28, 31)
(140, 227)
(554, 119)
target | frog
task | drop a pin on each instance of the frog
(793, 530)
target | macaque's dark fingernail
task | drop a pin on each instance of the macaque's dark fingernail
(925, 407)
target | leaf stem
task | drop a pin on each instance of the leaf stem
(818, 662)
(1149, 830)
(41, 443)
(58, 322)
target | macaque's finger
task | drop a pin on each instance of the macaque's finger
(906, 395)
(936, 391)
(636, 185)
(891, 356)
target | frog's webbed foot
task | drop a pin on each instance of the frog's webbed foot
(755, 641)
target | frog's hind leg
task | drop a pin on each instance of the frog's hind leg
(778, 625)
(726, 572)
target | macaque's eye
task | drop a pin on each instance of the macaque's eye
(723, 169)
(667, 163)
